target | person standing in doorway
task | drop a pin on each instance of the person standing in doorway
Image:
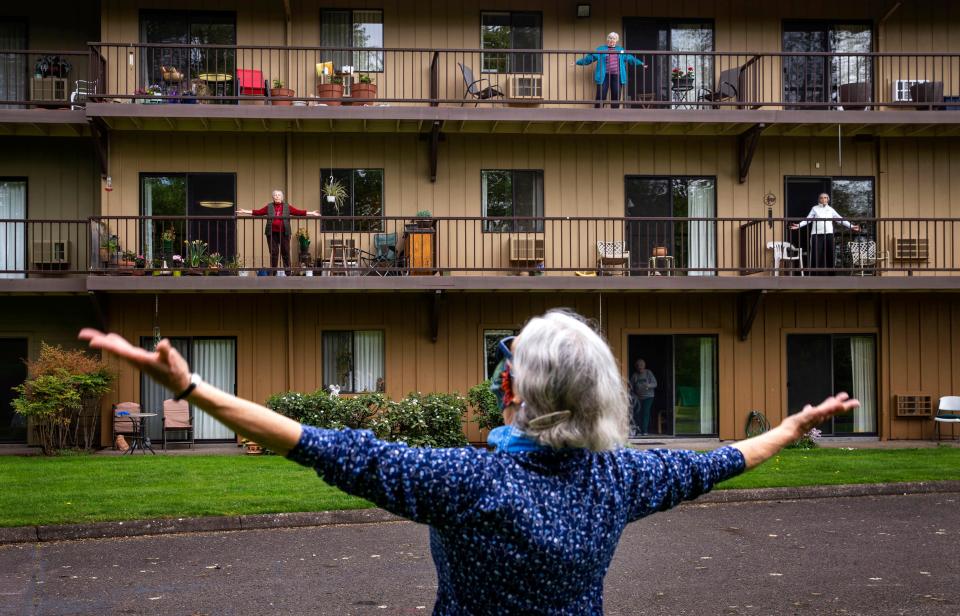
(821, 218)
(643, 387)
(277, 229)
(611, 71)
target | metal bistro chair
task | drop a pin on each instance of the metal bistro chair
(122, 423)
(474, 88)
(728, 87)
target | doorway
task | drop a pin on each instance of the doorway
(851, 197)
(692, 39)
(820, 78)
(13, 372)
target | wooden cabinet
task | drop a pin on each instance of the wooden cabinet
(419, 249)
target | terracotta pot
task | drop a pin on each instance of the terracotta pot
(363, 93)
(333, 91)
(281, 92)
(139, 271)
(660, 251)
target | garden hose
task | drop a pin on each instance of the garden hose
(756, 423)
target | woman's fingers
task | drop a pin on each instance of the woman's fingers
(165, 364)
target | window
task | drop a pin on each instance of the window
(361, 28)
(691, 244)
(508, 195)
(195, 28)
(364, 198)
(13, 227)
(175, 196)
(216, 360)
(491, 354)
(501, 30)
(685, 395)
(354, 360)
(820, 364)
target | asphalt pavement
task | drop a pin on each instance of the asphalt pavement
(869, 555)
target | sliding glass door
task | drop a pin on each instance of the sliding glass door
(690, 244)
(216, 360)
(13, 66)
(13, 228)
(200, 68)
(685, 396)
(851, 197)
(827, 78)
(692, 40)
(819, 365)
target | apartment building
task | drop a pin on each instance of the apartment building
(477, 182)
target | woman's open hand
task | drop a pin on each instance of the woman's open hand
(165, 365)
(812, 416)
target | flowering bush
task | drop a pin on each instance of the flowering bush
(679, 73)
(807, 441)
(486, 413)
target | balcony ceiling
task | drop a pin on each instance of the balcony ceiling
(508, 120)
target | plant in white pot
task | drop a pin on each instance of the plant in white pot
(335, 193)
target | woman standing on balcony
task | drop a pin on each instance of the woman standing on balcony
(532, 527)
(821, 218)
(277, 229)
(611, 71)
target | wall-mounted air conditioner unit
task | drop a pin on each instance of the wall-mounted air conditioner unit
(901, 89)
(47, 253)
(525, 86)
(526, 249)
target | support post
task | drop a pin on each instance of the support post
(747, 143)
(748, 305)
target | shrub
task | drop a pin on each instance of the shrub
(62, 396)
(486, 413)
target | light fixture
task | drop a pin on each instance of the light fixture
(583, 10)
(216, 205)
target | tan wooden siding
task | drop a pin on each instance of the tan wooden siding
(278, 339)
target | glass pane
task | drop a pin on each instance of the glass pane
(692, 38)
(528, 199)
(368, 361)
(216, 360)
(153, 394)
(13, 234)
(854, 371)
(497, 186)
(696, 384)
(494, 34)
(804, 77)
(491, 354)
(525, 33)
(164, 196)
(809, 372)
(338, 360)
(336, 30)
(214, 64)
(648, 198)
(13, 67)
(698, 238)
(330, 212)
(854, 199)
(368, 32)
(368, 198)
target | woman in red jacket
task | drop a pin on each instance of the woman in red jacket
(277, 229)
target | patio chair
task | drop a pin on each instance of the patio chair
(176, 418)
(728, 87)
(343, 255)
(865, 257)
(122, 424)
(474, 86)
(785, 251)
(383, 261)
(612, 258)
(83, 90)
(948, 412)
(251, 82)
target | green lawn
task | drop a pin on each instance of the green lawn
(96, 488)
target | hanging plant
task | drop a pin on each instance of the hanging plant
(335, 193)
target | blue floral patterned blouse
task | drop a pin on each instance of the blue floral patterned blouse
(529, 532)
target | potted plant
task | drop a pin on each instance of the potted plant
(214, 263)
(176, 264)
(364, 91)
(682, 78)
(167, 238)
(279, 90)
(235, 266)
(303, 239)
(152, 94)
(127, 259)
(335, 193)
(52, 66)
(332, 91)
(424, 219)
(139, 265)
(196, 256)
(109, 245)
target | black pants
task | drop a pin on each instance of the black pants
(279, 244)
(821, 252)
(610, 82)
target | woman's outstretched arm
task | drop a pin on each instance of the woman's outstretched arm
(764, 446)
(167, 367)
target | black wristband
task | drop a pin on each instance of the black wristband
(194, 381)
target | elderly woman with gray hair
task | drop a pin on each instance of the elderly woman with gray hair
(532, 526)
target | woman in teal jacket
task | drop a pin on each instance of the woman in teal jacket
(611, 71)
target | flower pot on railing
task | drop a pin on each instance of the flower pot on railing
(332, 91)
(287, 92)
(363, 94)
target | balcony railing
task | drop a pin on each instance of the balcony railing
(157, 73)
(38, 78)
(466, 246)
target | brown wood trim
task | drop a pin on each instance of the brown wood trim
(28, 286)
(43, 116)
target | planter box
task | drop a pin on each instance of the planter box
(363, 94)
(332, 91)
(282, 92)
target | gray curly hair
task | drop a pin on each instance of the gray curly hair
(572, 391)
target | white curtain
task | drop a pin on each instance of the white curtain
(367, 359)
(864, 362)
(215, 360)
(148, 224)
(708, 394)
(13, 232)
(701, 234)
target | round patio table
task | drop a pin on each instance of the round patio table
(216, 81)
(141, 441)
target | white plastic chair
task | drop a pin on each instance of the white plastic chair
(948, 412)
(785, 251)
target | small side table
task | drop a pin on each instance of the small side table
(141, 441)
(654, 266)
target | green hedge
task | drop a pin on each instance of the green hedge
(431, 420)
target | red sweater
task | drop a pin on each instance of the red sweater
(277, 211)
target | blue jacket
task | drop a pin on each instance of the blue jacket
(601, 59)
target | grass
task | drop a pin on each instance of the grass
(76, 489)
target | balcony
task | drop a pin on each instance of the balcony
(397, 253)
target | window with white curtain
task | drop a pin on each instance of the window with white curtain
(214, 359)
(358, 29)
(13, 228)
(353, 360)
